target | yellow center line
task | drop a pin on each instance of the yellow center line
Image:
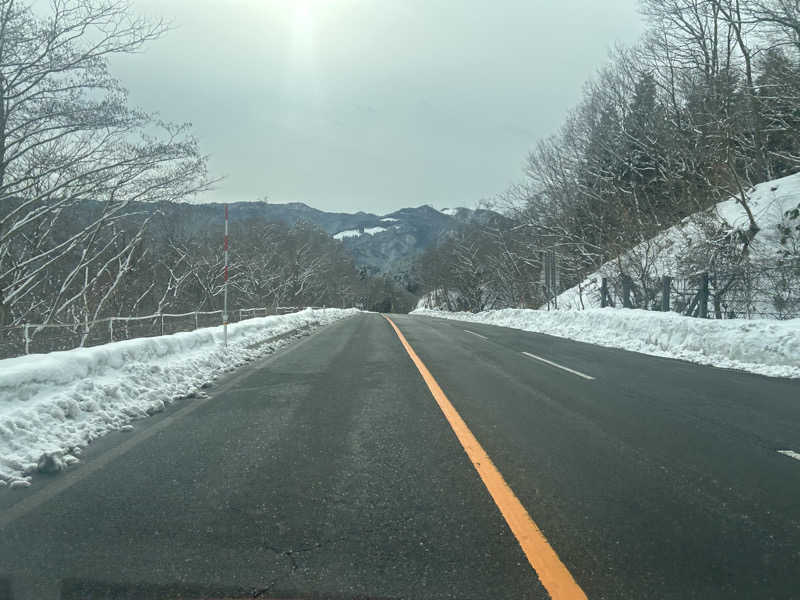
(553, 574)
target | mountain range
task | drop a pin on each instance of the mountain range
(382, 243)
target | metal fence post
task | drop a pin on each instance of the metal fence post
(604, 292)
(111, 329)
(704, 297)
(665, 292)
(85, 334)
(626, 292)
(225, 293)
(162, 322)
(195, 320)
(27, 339)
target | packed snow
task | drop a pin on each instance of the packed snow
(350, 233)
(769, 202)
(765, 347)
(52, 405)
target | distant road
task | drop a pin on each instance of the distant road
(520, 466)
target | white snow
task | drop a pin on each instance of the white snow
(452, 212)
(53, 404)
(765, 347)
(356, 233)
(389, 220)
(790, 454)
(347, 234)
(663, 254)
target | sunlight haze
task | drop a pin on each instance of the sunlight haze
(356, 105)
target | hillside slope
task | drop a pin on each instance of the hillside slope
(759, 284)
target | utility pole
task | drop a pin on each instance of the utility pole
(225, 290)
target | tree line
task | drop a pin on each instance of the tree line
(87, 181)
(703, 107)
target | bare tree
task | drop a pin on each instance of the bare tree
(67, 137)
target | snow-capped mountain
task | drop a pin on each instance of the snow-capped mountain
(381, 243)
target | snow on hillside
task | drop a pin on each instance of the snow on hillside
(768, 201)
(54, 404)
(346, 234)
(350, 233)
(374, 230)
(450, 212)
(769, 348)
(389, 220)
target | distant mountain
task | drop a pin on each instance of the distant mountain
(382, 243)
(390, 243)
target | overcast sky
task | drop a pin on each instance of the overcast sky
(371, 105)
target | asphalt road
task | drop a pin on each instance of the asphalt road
(329, 470)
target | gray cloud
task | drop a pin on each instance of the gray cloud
(371, 104)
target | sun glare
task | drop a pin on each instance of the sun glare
(303, 17)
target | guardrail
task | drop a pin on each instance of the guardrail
(22, 339)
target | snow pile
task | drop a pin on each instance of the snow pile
(356, 233)
(389, 220)
(765, 347)
(53, 404)
(665, 253)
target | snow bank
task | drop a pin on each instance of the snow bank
(765, 347)
(56, 403)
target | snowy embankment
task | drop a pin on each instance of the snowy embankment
(53, 404)
(666, 253)
(765, 347)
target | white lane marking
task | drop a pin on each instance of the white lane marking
(790, 454)
(483, 337)
(552, 364)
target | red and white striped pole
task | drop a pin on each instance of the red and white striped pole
(225, 292)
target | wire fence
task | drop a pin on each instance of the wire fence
(37, 338)
(750, 292)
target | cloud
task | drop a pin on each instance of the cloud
(371, 104)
